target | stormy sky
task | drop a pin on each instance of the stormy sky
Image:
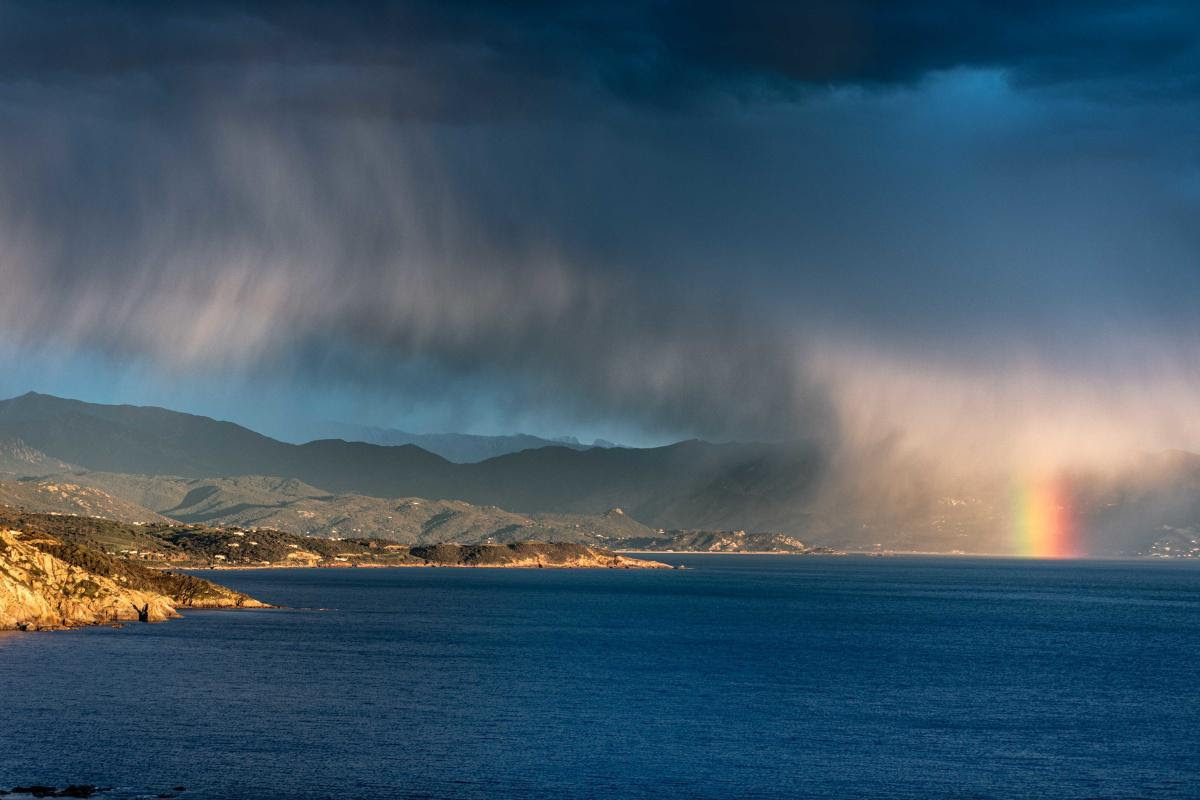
(973, 227)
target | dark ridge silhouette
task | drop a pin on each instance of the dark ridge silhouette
(690, 484)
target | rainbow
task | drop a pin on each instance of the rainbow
(1043, 522)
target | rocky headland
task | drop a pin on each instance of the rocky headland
(47, 584)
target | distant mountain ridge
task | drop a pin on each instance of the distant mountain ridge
(289, 505)
(194, 468)
(691, 484)
(460, 448)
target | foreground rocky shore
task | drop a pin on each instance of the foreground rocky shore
(48, 584)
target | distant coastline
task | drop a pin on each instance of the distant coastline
(61, 571)
(639, 552)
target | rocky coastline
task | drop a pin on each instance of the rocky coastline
(60, 571)
(47, 584)
(177, 546)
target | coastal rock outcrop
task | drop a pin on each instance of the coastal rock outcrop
(39, 591)
(46, 585)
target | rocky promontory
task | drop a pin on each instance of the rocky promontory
(48, 584)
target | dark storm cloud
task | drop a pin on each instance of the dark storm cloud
(454, 60)
(899, 42)
(350, 253)
(659, 213)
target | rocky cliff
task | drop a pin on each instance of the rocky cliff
(47, 584)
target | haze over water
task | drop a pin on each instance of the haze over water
(746, 676)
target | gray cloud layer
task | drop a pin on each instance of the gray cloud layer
(485, 59)
(348, 254)
(750, 220)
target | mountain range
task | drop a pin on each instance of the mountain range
(461, 448)
(143, 463)
(286, 504)
(690, 484)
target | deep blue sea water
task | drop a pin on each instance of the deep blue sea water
(744, 677)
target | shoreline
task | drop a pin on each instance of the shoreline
(723, 553)
(907, 554)
(238, 567)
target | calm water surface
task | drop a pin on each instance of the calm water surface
(746, 676)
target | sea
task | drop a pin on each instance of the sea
(741, 676)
